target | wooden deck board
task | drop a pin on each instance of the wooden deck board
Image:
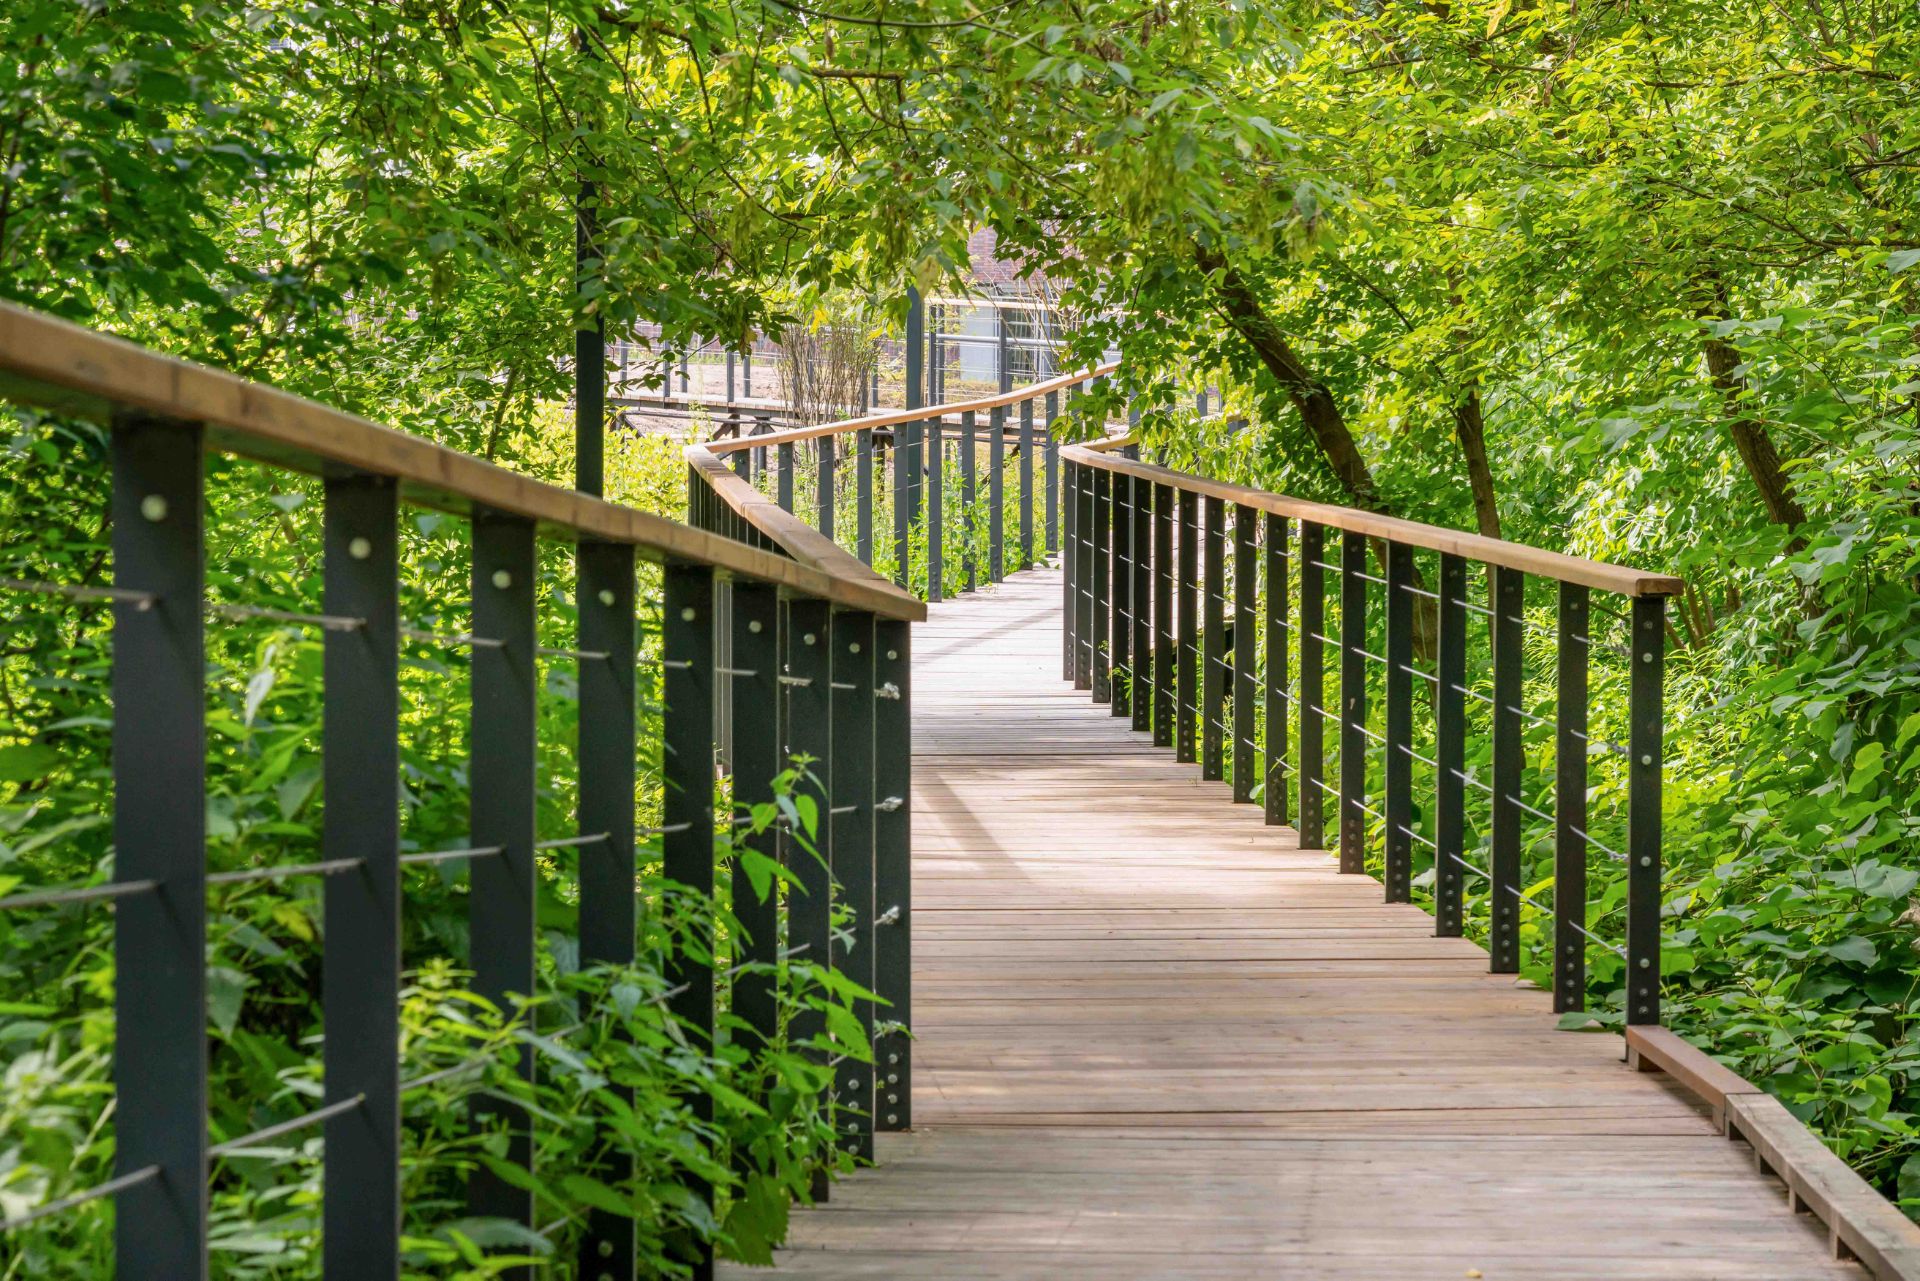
(1157, 1040)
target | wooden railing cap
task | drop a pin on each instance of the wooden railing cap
(57, 365)
(896, 417)
(807, 545)
(1476, 547)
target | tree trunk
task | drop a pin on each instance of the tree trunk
(1749, 436)
(1309, 395)
(1470, 424)
(1470, 428)
(1320, 412)
(1751, 439)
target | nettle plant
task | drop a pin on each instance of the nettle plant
(614, 1073)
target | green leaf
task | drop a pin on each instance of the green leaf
(1908, 1186)
(1867, 764)
(226, 993)
(26, 762)
(847, 1032)
(598, 1195)
(1854, 949)
(763, 871)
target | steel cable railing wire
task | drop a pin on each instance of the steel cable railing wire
(1517, 727)
(161, 419)
(1121, 509)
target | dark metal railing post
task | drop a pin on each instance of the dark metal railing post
(969, 525)
(863, 494)
(1246, 586)
(809, 667)
(916, 396)
(1165, 695)
(1027, 442)
(1140, 597)
(1399, 746)
(1100, 634)
(607, 768)
(1313, 626)
(360, 978)
(754, 742)
(686, 843)
(1570, 803)
(893, 872)
(1644, 734)
(1450, 751)
(1069, 585)
(852, 857)
(1213, 648)
(1187, 700)
(936, 356)
(1276, 670)
(1509, 747)
(784, 482)
(823, 486)
(996, 493)
(1353, 702)
(159, 827)
(1082, 551)
(900, 458)
(1053, 472)
(501, 782)
(936, 512)
(1120, 594)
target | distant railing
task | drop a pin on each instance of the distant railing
(1223, 658)
(975, 481)
(165, 415)
(752, 489)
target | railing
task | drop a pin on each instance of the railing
(918, 474)
(1224, 658)
(747, 489)
(848, 713)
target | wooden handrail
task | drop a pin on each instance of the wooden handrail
(895, 417)
(57, 365)
(807, 545)
(1476, 547)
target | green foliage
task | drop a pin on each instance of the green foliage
(1632, 239)
(614, 1071)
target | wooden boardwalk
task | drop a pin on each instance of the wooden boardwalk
(1158, 1040)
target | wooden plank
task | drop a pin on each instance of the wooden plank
(1655, 1049)
(1154, 1039)
(1861, 1223)
(1478, 547)
(57, 365)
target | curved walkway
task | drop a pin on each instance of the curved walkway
(1156, 1039)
